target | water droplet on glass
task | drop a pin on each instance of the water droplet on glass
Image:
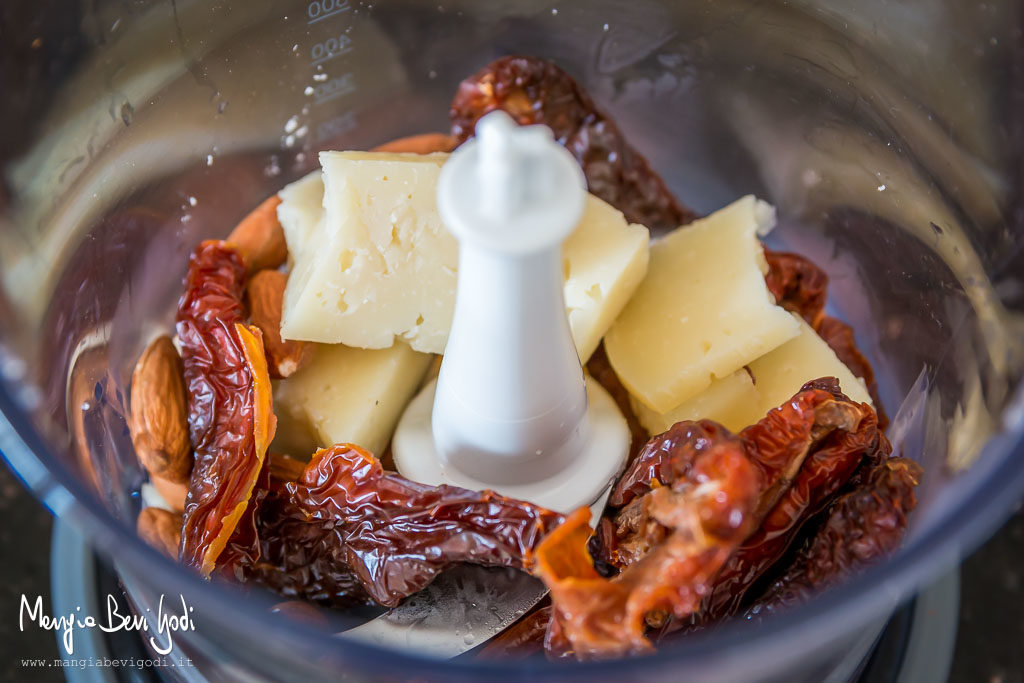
(432, 74)
(221, 106)
(605, 27)
(209, 160)
(554, 11)
(192, 201)
(273, 168)
(308, 91)
(291, 124)
(319, 77)
(127, 112)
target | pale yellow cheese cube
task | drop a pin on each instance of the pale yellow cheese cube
(744, 397)
(603, 262)
(383, 263)
(377, 264)
(703, 310)
(780, 374)
(731, 401)
(351, 395)
(300, 210)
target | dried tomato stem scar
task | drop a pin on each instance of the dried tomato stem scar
(511, 410)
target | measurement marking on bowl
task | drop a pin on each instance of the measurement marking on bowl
(334, 88)
(329, 49)
(330, 128)
(318, 10)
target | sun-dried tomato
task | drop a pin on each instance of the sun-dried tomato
(533, 90)
(797, 284)
(800, 286)
(691, 500)
(796, 424)
(861, 528)
(601, 617)
(229, 406)
(839, 336)
(243, 546)
(397, 535)
(823, 473)
(296, 558)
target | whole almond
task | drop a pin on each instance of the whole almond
(173, 492)
(260, 237)
(159, 419)
(285, 467)
(425, 143)
(161, 529)
(265, 297)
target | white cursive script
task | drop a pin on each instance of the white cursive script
(162, 639)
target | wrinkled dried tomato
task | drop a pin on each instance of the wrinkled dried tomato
(861, 528)
(243, 546)
(600, 617)
(839, 336)
(296, 558)
(396, 535)
(691, 500)
(797, 284)
(229, 407)
(796, 424)
(822, 474)
(533, 90)
(800, 286)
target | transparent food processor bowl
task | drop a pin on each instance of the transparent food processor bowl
(888, 136)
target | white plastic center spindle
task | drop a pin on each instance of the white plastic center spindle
(511, 403)
(510, 409)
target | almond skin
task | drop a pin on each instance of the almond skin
(173, 492)
(260, 237)
(159, 413)
(425, 143)
(161, 529)
(265, 298)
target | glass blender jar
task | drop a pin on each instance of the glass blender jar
(889, 137)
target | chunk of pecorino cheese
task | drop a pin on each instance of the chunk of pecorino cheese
(380, 266)
(351, 395)
(744, 397)
(703, 310)
(375, 264)
(731, 401)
